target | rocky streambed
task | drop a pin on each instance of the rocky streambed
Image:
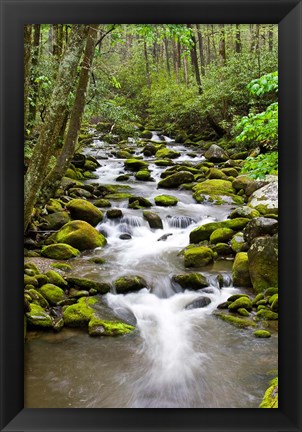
(151, 281)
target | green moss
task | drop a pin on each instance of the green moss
(143, 175)
(243, 312)
(275, 304)
(223, 249)
(262, 334)
(166, 153)
(240, 270)
(61, 266)
(270, 291)
(79, 314)
(38, 317)
(204, 232)
(80, 235)
(30, 280)
(215, 189)
(52, 293)
(87, 284)
(270, 398)
(54, 206)
(102, 203)
(193, 281)
(165, 200)
(135, 164)
(37, 298)
(163, 162)
(242, 302)
(176, 179)
(198, 256)
(99, 327)
(129, 283)
(98, 260)
(31, 266)
(60, 251)
(215, 173)
(56, 279)
(236, 321)
(221, 235)
(258, 297)
(81, 209)
(238, 244)
(119, 196)
(273, 298)
(234, 297)
(267, 314)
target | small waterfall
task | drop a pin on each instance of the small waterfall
(180, 221)
(134, 221)
(156, 137)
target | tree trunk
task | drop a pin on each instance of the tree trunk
(222, 44)
(27, 58)
(167, 55)
(53, 179)
(208, 46)
(194, 60)
(201, 53)
(54, 119)
(33, 84)
(270, 37)
(238, 45)
(147, 65)
(185, 70)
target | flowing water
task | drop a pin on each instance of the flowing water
(179, 357)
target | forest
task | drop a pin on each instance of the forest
(151, 215)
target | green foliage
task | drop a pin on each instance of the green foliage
(261, 165)
(264, 84)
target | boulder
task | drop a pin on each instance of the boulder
(138, 202)
(125, 284)
(52, 293)
(165, 200)
(216, 190)
(215, 173)
(102, 202)
(114, 214)
(83, 210)
(54, 221)
(135, 164)
(199, 303)
(153, 219)
(260, 227)
(166, 153)
(60, 251)
(176, 179)
(244, 211)
(150, 149)
(216, 154)
(265, 199)
(193, 281)
(79, 192)
(56, 279)
(263, 262)
(221, 235)
(80, 235)
(238, 244)
(143, 175)
(242, 302)
(79, 314)
(88, 284)
(198, 256)
(204, 232)
(100, 327)
(38, 317)
(240, 270)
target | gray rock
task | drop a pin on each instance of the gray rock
(265, 199)
(260, 227)
(216, 154)
(199, 303)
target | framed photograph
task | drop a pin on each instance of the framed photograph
(140, 162)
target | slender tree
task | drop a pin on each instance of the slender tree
(222, 52)
(53, 121)
(27, 62)
(238, 44)
(33, 83)
(53, 179)
(194, 60)
(201, 52)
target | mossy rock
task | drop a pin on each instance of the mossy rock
(238, 244)
(79, 314)
(204, 232)
(243, 312)
(52, 293)
(240, 270)
(102, 202)
(88, 284)
(222, 249)
(60, 251)
(119, 196)
(242, 302)
(230, 172)
(167, 153)
(199, 256)
(176, 179)
(30, 280)
(266, 314)
(214, 190)
(83, 210)
(163, 162)
(263, 262)
(270, 398)
(54, 206)
(122, 177)
(56, 279)
(258, 298)
(38, 317)
(153, 219)
(242, 182)
(215, 173)
(245, 212)
(234, 297)
(79, 193)
(99, 327)
(235, 320)
(143, 175)
(123, 154)
(135, 164)
(80, 235)
(114, 214)
(262, 334)
(61, 266)
(55, 221)
(271, 291)
(221, 235)
(72, 174)
(165, 200)
(274, 304)
(31, 266)
(139, 202)
(37, 298)
(216, 154)
(193, 281)
(42, 279)
(129, 283)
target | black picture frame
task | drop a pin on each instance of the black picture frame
(14, 14)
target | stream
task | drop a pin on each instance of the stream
(178, 357)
